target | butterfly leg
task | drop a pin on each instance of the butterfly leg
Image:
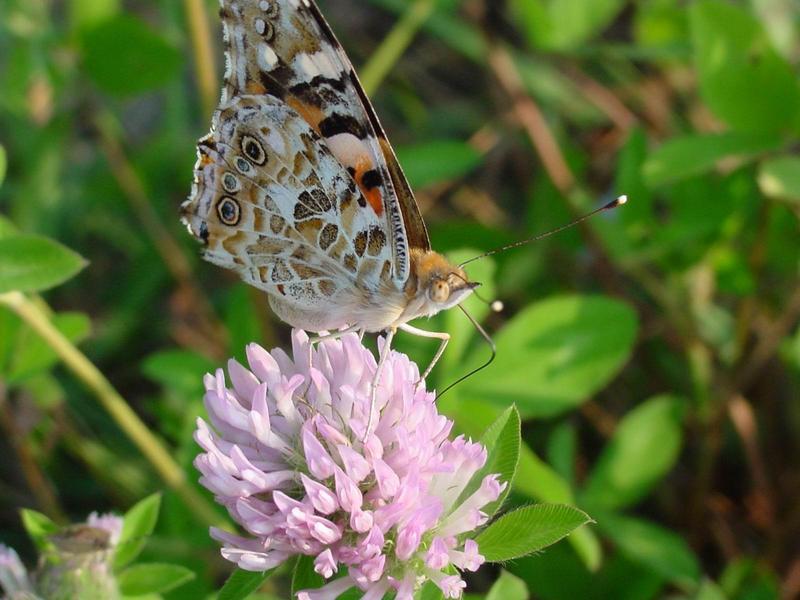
(443, 338)
(387, 347)
(315, 339)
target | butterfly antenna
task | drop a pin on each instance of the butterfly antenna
(494, 305)
(488, 340)
(619, 201)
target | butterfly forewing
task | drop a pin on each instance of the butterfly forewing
(285, 49)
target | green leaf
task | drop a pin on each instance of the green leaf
(502, 442)
(152, 578)
(686, 156)
(138, 524)
(39, 527)
(7, 228)
(429, 591)
(742, 78)
(32, 355)
(437, 161)
(779, 177)
(242, 583)
(555, 354)
(534, 478)
(747, 578)
(123, 56)
(242, 321)
(660, 550)
(528, 529)
(87, 13)
(31, 263)
(564, 24)
(508, 587)
(562, 448)
(538, 480)
(644, 448)
(181, 370)
(304, 577)
(709, 590)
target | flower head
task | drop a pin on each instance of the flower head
(289, 454)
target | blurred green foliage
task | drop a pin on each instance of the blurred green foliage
(653, 352)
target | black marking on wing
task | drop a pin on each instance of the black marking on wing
(338, 123)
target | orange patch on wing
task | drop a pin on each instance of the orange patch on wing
(373, 196)
(254, 87)
(311, 114)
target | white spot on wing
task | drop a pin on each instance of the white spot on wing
(305, 65)
(275, 141)
(348, 149)
(261, 26)
(319, 63)
(267, 59)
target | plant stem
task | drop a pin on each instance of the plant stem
(203, 47)
(394, 44)
(151, 447)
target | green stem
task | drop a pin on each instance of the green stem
(151, 447)
(203, 48)
(394, 44)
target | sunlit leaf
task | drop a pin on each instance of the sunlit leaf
(138, 524)
(528, 529)
(502, 442)
(644, 448)
(779, 177)
(86, 13)
(33, 355)
(686, 156)
(179, 369)
(242, 583)
(152, 578)
(555, 354)
(508, 587)
(564, 24)
(38, 527)
(661, 550)
(304, 577)
(31, 263)
(436, 161)
(742, 78)
(123, 56)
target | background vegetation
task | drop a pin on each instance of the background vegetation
(654, 353)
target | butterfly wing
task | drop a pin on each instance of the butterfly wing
(272, 202)
(285, 48)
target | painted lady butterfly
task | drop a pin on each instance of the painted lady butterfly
(297, 189)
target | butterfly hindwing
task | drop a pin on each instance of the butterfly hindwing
(273, 203)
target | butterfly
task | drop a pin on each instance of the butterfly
(297, 189)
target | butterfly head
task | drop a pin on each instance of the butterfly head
(439, 283)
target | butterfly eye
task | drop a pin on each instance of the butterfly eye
(228, 211)
(439, 291)
(254, 150)
(230, 183)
